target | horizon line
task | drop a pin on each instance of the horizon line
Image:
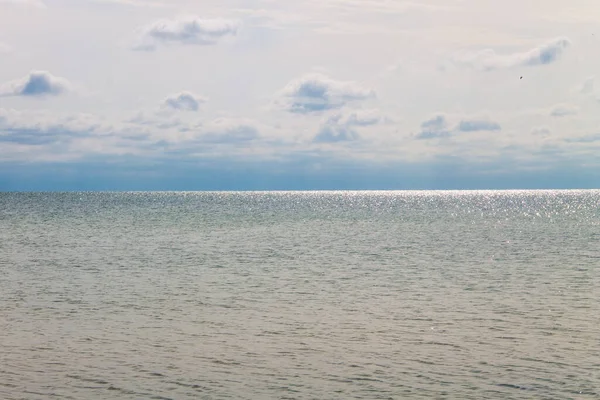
(298, 190)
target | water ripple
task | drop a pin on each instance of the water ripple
(300, 295)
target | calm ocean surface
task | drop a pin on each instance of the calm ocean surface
(300, 295)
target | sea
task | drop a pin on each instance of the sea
(300, 295)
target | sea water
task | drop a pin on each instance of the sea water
(300, 295)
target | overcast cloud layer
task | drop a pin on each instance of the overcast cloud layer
(101, 94)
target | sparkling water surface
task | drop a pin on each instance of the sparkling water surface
(300, 295)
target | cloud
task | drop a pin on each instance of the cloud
(36, 84)
(333, 131)
(183, 101)
(187, 31)
(488, 60)
(316, 92)
(4, 48)
(341, 128)
(156, 119)
(223, 130)
(540, 131)
(363, 118)
(584, 139)
(32, 3)
(435, 127)
(42, 129)
(438, 126)
(475, 125)
(563, 110)
(588, 85)
(41, 135)
(75, 135)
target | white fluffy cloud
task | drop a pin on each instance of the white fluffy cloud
(488, 59)
(588, 85)
(36, 84)
(316, 92)
(187, 31)
(434, 127)
(342, 127)
(542, 131)
(438, 126)
(183, 101)
(146, 133)
(586, 139)
(563, 110)
(43, 129)
(224, 130)
(476, 125)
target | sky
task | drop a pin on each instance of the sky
(294, 95)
